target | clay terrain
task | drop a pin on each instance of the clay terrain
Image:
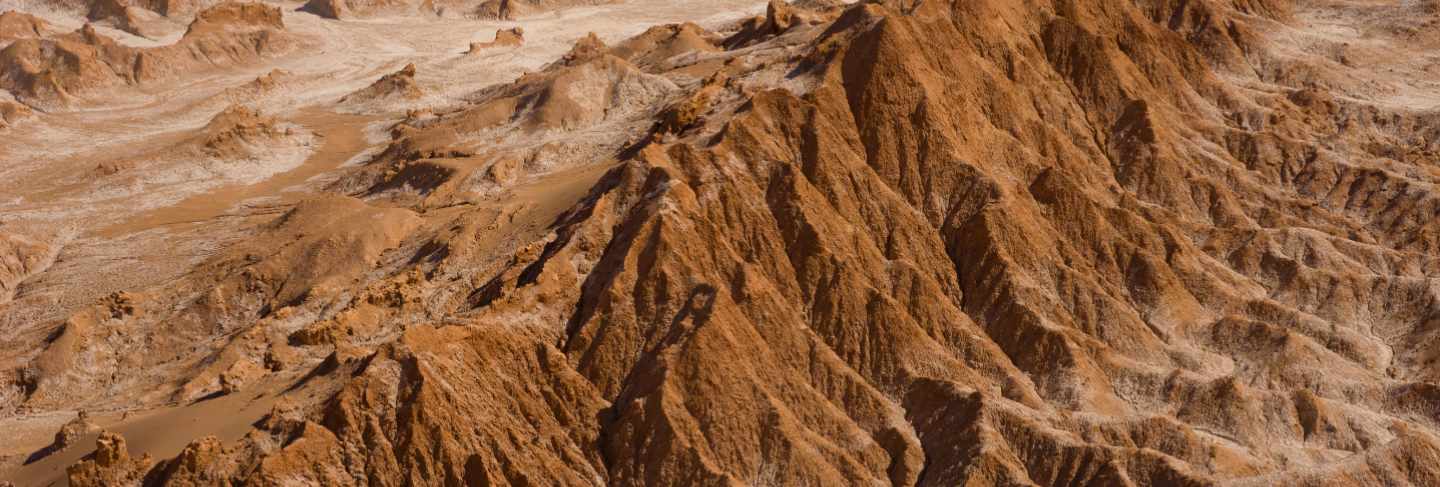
(719, 242)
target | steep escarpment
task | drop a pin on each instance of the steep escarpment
(985, 242)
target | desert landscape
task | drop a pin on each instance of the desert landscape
(721, 242)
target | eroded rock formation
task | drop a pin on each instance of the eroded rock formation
(978, 242)
(513, 37)
(55, 71)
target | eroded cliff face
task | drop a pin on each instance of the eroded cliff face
(982, 242)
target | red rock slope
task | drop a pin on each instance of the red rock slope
(979, 242)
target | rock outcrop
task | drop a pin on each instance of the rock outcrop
(110, 464)
(780, 16)
(15, 25)
(22, 256)
(12, 113)
(56, 71)
(123, 16)
(231, 133)
(101, 9)
(947, 242)
(347, 9)
(73, 430)
(513, 37)
(398, 86)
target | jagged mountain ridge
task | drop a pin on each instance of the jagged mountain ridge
(1070, 241)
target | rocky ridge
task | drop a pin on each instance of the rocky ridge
(1064, 242)
(58, 71)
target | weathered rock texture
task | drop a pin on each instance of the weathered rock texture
(964, 242)
(399, 86)
(343, 9)
(56, 71)
(513, 37)
(15, 24)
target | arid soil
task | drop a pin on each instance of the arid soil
(898, 242)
